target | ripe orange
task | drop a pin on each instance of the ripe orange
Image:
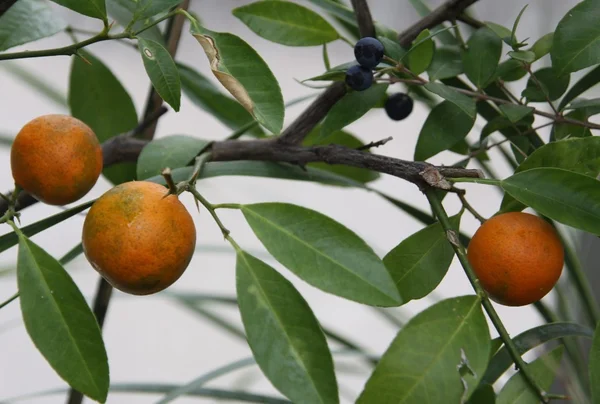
(517, 257)
(139, 240)
(56, 158)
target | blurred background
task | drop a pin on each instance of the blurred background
(159, 340)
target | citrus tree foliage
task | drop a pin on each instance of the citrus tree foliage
(463, 73)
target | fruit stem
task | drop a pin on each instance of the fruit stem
(210, 209)
(166, 173)
(440, 212)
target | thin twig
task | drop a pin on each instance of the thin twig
(470, 208)
(375, 144)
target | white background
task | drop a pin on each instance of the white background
(152, 339)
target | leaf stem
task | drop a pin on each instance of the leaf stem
(10, 299)
(227, 206)
(486, 181)
(210, 209)
(459, 249)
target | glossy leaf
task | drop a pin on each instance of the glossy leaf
(123, 11)
(513, 34)
(466, 104)
(511, 70)
(446, 63)
(582, 85)
(27, 21)
(500, 30)
(528, 340)
(543, 370)
(150, 8)
(344, 139)
(95, 94)
(172, 151)
(421, 54)
(522, 56)
(579, 103)
(515, 112)
(445, 126)
(322, 252)
(419, 263)
(91, 8)
(481, 59)
(208, 97)
(575, 44)
(552, 85)
(9, 240)
(594, 366)
(543, 46)
(286, 23)
(351, 107)
(578, 155)
(162, 71)
(59, 321)
(392, 49)
(284, 334)
(423, 362)
(567, 197)
(245, 75)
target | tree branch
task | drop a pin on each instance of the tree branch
(301, 127)
(446, 12)
(364, 19)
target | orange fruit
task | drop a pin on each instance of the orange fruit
(138, 239)
(518, 258)
(56, 158)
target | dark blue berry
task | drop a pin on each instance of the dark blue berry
(368, 52)
(359, 78)
(398, 106)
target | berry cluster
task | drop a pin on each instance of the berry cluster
(369, 52)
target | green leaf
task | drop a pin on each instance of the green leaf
(446, 63)
(445, 126)
(149, 8)
(91, 8)
(392, 49)
(543, 370)
(481, 59)
(568, 130)
(528, 340)
(567, 197)
(513, 34)
(594, 365)
(162, 71)
(245, 75)
(351, 107)
(336, 73)
(483, 395)
(575, 44)
(466, 104)
(421, 54)
(27, 21)
(172, 151)
(322, 252)
(543, 46)
(60, 323)
(286, 23)
(9, 240)
(284, 334)
(422, 363)
(552, 85)
(580, 155)
(419, 263)
(515, 112)
(511, 70)
(584, 84)
(123, 10)
(344, 139)
(585, 103)
(500, 30)
(208, 97)
(522, 56)
(98, 98)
